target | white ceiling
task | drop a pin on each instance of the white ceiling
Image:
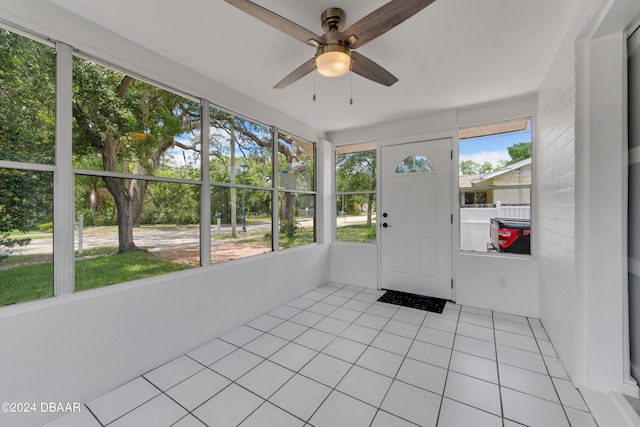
(452, 54)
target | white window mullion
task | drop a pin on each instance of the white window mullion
(275, 223)
(205, 188)
(63, 182)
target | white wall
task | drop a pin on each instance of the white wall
(555, 170)
(76, 347)
(605, 266)
(477, 276)
(355, 264)
(581, 190)
(509, 284)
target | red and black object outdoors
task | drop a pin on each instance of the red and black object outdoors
(510, 236)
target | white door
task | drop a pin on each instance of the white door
(414, 218)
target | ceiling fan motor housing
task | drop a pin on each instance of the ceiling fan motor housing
(333, 59)
(333, 19)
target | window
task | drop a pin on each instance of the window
(415, 164)
(356, 192)
(27, 164)
(28, 96)
(26, 231)
(475, 198)
(296, 191)
(241, 169)
(136, 154)
(495, 182)
(140, 170)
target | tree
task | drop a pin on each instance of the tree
(27, 131)
(235, 134)
(469, 167)
(519, 152)
(129, 125)
(356, 172)
(27, 100)
(18, 208)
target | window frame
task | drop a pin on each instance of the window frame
(487, 189)
(278, 189)
(371, 146)
(64, 172)
(47, 168)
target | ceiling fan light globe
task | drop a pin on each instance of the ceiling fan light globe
(333, 64)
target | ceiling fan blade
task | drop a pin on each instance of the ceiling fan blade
(382, 20)
(297, 74)
(365, 67)
(278, 22)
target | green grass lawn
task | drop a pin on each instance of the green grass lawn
(35, 281)
(356, 233)
(302, 237)
(30, 277)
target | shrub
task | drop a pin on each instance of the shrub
(46, 227)
(289, 227)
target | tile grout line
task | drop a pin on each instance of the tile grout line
(298, 372)
(142, 404)
(267, 359)
(446, 378)
(495, 341)
(94, 415)
(354, 364)
(551, 377)
(398, 370)
(241, 386)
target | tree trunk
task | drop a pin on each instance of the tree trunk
(138, 189)
(294, 164)
(286, 211)
(369, 209)
(121, 195)
(94, 198)
(125, 219)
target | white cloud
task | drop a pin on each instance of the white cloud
(492, 157)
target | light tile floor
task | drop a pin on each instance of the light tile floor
(336, 357)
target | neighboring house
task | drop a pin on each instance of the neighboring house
(469, 196)
(479, 189)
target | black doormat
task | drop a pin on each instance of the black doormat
(414, 301)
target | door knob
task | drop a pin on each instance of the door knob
(385, 225)
(384, 215)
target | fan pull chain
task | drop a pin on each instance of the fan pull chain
(351, 84)
(314, 86)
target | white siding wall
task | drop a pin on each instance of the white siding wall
(555, 205)
(521, 176)
(581, 198)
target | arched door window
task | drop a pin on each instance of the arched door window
(415, 164)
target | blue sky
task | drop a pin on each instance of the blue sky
(491, 148)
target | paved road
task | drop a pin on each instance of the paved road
(154, 239)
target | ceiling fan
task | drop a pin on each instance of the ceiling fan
(335, 54)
